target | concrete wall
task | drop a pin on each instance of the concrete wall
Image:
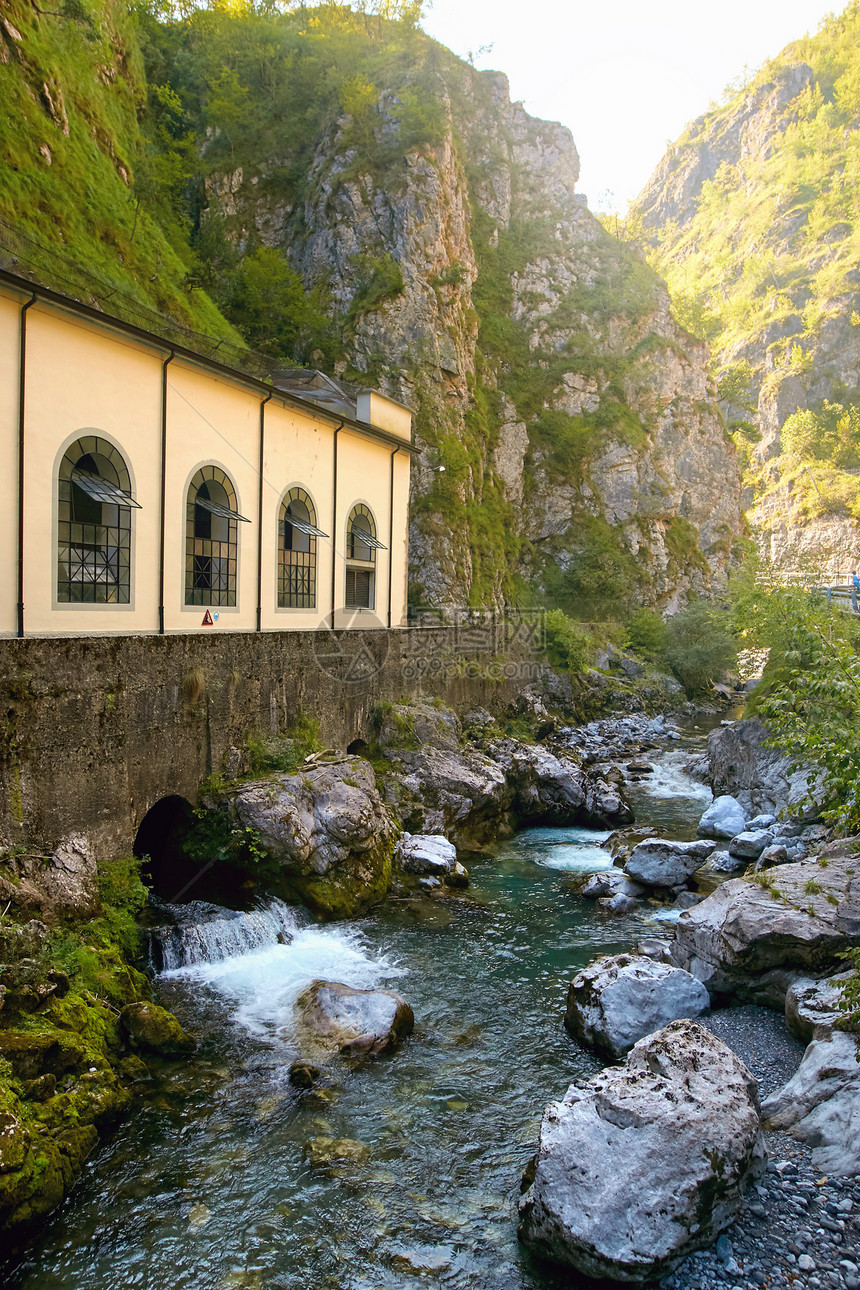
(85, 377)
(97, 729)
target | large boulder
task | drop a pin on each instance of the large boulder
(659, 863)
(820, 1104)
(461, 794)
(751, 940)
(646, 1162)
(417, 725)
(761, 778)
(429, 855)
(474, 797)
(150, 1029)
(616, 1000)
(750, 844)
(332, 1017)
(546, 788)
(328, 830)
(724, 818)
(812, 1008)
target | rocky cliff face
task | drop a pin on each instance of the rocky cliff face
(569, 432)
(752, 217)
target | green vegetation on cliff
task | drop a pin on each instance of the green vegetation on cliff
(752, 217)
(333, 188)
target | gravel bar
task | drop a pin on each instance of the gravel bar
(797, 1228)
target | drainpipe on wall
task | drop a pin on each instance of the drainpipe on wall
(22, 389)
(164, 367)
(260, 515)
(334, 522)
(391, 530)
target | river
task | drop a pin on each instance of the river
(206, 1185)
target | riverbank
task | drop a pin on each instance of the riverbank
(218, 1166)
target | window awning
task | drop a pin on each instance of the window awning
(304, 526)
(362, 535)
(217, 509)
(102, 490)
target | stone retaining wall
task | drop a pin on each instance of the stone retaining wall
(97, 729)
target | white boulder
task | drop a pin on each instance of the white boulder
(617, 1000)
(724, 818)
(812, 1008)
(750, 844)
(646, 1162)
(659, 863)
(820, 1104)
(430, 854)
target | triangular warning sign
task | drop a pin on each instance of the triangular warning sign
(208, 620)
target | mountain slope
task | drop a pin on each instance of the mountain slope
(753, 217)
(81, 186)
(571, 444)
(350, 195)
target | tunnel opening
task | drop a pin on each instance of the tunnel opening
(182, 860)
(358, 747)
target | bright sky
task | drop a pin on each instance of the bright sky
(624, 75)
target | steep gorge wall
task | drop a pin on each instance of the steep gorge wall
(570, 438)
(571, 445)
(752, 216)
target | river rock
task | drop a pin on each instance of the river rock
(812, 1008)
(617, 999)
(765, 821)
(723, 819)
(462, 795)
(151, 1029)
(657, 862)
(772, 855)
(751, 940)
(430, 853)
(328, 830)
(418, 724)
(324, 1153)
(646, 1162)
(547, 788)
(722, 862)
(820, 1104)
(750, 844)
(332, 1017)
(609, 882)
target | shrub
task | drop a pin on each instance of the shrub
(646, 633)
(698, 649)
(567, 644)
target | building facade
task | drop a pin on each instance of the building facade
(149, 489)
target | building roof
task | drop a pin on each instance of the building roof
(28, 268)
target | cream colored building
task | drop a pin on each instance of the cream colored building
(149, 489)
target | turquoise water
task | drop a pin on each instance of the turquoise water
(207, 1184)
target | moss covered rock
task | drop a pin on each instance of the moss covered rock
(328, 831)
(153, 1029)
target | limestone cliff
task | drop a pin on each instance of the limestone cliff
(752, 217)
(353, 196)
(569, 433)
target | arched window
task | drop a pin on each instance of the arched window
(297, 551)
(362, 545)
(94, 524)
(211, 539)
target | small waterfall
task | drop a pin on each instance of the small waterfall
(202, 933)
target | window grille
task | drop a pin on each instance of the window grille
(94, 509)
(211, 539)
(361, 547)
(297, 551)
